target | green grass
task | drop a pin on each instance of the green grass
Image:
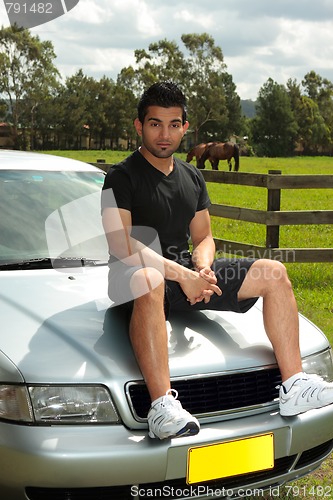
(91, 156)
(313, 283)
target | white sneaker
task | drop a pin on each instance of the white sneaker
(306, 393)
(168, 419)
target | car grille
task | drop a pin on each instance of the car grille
(282, 466)
(214, 394)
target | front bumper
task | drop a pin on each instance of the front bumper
(76, 457)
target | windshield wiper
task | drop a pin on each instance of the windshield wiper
(47, 263)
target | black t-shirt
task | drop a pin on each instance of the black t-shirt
(166, 203)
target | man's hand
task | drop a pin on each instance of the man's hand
(207, 274)
(199, 286)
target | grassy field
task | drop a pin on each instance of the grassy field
(313, 283)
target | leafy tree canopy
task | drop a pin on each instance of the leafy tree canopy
(27, 72)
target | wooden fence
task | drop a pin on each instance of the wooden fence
(273, 217)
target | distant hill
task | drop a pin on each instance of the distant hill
(248, 108)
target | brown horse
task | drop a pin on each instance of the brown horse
(220, 151)
(197, 151)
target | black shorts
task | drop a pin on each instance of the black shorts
(230, 275)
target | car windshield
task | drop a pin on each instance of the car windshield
(50, 216)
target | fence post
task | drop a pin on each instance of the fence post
(273, 204)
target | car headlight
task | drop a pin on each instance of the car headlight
(320, 363)
(58, 404)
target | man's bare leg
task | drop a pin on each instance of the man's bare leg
(148, 331)
(299, 392)
(269, 279)
(166, 417)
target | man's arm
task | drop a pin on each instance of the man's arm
(117, 225)
(203, 242)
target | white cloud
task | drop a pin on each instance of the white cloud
(205, 21)
(308, 42)
(146, 24)
(91, 12)
(259, 39)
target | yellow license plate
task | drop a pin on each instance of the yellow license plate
(216, 461)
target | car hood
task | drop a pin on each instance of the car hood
(57, 326)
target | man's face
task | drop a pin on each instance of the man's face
(162, 130)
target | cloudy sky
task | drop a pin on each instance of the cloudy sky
(280, 39)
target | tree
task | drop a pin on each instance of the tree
(27, 74)
(122, 115)
(320, 90)
(78, 99)
(96, 111)
(229, 121)
(100, 119)
(274, 129)
(204, 84)
(44, 122)
(213, 105)
(316, 87)
(313, 133)
(162, 61)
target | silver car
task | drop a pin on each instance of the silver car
(73, 405)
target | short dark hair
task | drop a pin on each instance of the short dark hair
(165, 94)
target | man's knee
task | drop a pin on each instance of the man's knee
(271, 273)
(265, 276)
(147, 281)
